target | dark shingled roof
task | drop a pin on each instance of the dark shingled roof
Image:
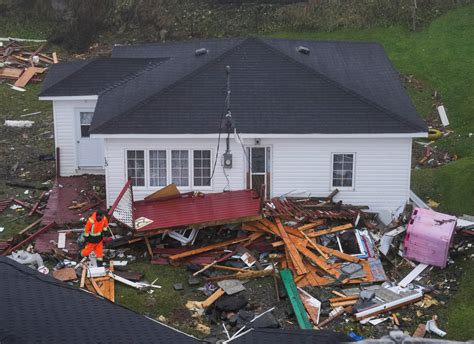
(92, 77)
(36, 308)
(338, 88)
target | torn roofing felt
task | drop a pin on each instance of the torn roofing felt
(94, 76)
(339, 87)
(37, 308)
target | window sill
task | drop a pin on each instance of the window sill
(342, 188)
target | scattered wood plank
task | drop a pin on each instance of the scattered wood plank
(292, 250)
(243, 275)
(318, 261)
(213, 298)
(331, 230)
(338, 254)
(27, 75)
(207, 248)
(295, 299)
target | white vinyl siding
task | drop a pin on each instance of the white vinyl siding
(66, 134)
(381, 171)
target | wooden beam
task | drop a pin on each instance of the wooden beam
(295, 299)
(292, 250)
(207, 248)
(213, 298)
(96, 287)
(243, 275)
(148, 247)
(318, 261)
(311, 225)
(30, 238)
(331, 230)
(338, 254)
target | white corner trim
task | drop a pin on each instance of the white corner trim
(254, 136)
(90, 97)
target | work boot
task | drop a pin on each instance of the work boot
(100, 263)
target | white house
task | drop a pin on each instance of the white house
(297, 116)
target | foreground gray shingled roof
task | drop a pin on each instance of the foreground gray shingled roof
(340, 87)
(36, 308)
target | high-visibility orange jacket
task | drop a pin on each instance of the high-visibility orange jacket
(94, 229)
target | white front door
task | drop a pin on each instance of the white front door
(90, 152)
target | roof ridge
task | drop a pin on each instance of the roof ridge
(340, 86)
(173, 84)
(151, 65)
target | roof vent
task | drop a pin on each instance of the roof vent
(303, 50)
(201, 51)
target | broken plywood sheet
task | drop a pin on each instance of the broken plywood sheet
(66, 274)
(168, 192)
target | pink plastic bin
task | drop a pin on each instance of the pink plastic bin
(429, 236)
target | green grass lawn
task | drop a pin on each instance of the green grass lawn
(442, 57)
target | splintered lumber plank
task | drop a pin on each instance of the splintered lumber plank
(315, 246)
(96, 287)
(335, 292)
(26, 229)
(83, 277)
(295, 299)
(338, 254)
(318, 261)
(243, 275)
(292, 250)
(252, 237)
(278, 243)
(311, 225)
(10, 73)
(148, 247)
(207, 248)
(27, 75)
(343, 303)
(331, 230)
(224, 267)
(55, 57)
(260, 226)
(343, 298)
(213, 298)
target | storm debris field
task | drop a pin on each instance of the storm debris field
(287, 262)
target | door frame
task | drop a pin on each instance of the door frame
(268, 174)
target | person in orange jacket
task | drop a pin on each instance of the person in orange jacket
(93, 234)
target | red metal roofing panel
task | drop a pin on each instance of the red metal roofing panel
(189, 211)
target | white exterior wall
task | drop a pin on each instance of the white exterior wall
(381, 178)
(115, 153)
(65, 134)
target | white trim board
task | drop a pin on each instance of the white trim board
(255, 136)
(89, 97)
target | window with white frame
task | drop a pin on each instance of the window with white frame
(157, 160)
(136, 167)
(202, 167)
(85, 121)
(180, 167)
(343, 170)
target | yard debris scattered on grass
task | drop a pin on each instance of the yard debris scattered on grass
(337, 262)
(21, 65)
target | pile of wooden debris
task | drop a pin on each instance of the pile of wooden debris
(21, 64)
